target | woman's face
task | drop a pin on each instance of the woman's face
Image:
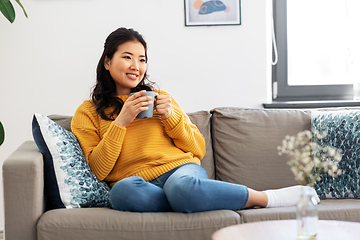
(127, 67)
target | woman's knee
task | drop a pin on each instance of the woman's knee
(182, 194)
(134, 194)
(125, 192)
(127, 184)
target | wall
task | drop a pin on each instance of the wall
(48, 61)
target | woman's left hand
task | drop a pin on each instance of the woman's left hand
(163, 106)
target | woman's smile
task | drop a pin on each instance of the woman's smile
(132, 76)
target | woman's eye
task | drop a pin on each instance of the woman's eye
(127, 57)
(143, 60)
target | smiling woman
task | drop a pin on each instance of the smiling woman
(122, 46)
(152, 164)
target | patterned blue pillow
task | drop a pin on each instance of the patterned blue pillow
(68, 180)
(343, 132)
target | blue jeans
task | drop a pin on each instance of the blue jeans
(186, 188)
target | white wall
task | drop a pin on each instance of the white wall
(48, 61)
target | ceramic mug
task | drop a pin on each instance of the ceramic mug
(149, 112)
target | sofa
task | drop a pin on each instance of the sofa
(241, 146)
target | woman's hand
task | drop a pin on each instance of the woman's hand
(132, 107)
(163, 106)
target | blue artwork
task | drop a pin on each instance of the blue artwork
(210, 7)
(213, 12)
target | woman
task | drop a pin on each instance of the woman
(153, 164)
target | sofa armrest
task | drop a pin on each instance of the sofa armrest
(23, 182)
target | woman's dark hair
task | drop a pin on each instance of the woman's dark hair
(104, 94)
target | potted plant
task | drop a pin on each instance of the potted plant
(8, 11)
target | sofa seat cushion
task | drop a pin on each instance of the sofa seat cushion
(329, 209)
(103, 223)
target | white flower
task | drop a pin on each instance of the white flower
(295, 170)
(308, 134)
(332, 152)
(338, 157)
(317, 161)
(308, 159)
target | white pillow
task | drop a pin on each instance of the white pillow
(68, 180)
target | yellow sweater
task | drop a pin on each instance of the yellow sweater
(146, 147)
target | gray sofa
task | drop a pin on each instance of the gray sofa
(241, 148)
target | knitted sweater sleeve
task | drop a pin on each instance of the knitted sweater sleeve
(184, 133)
(100, 153)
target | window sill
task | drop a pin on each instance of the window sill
(312, 104)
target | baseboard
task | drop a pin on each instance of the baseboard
(1, 234)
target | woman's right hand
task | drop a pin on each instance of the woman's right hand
(132, 107)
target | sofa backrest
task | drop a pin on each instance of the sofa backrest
(245, 145)
(241, 143)
(202, 119)
(63, 120)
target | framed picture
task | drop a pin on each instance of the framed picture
(213, 12)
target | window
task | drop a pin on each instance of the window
(318, 49)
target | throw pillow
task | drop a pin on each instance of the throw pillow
(343, 132)
(68, 180)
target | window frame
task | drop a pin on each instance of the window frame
(282, 91)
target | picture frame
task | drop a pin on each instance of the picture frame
(212, 13)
